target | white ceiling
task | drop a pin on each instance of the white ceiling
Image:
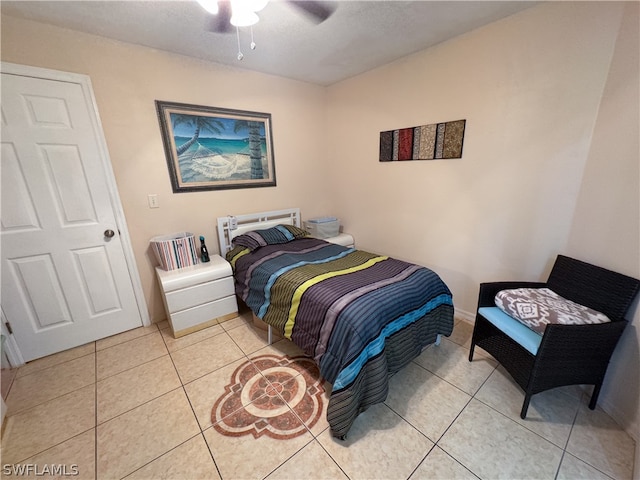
(359, 36)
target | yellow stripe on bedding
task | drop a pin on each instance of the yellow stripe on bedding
(297, 295)
(237, 256)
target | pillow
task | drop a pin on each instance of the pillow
(269, 236)
(537, 307)
(235, 253)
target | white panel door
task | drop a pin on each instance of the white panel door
(65, 280)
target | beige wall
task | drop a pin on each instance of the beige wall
(127, 79)
(532, 88)
(540, 100)
(606, 224)
(529, 87)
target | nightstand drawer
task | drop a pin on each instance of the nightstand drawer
(199, 294)
(202, 314)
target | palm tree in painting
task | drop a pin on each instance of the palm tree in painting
(204, 124)
(255, 145)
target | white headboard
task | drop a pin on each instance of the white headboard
(233, 225)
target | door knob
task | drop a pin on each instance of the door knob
(109, 233)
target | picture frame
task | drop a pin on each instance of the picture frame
(211, 148)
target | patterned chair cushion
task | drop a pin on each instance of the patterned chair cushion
(537, 307)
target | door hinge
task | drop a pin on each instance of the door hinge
(9, 328)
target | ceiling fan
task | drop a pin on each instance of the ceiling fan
(243, 13)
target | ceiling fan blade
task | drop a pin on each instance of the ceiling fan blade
(318, 11)
(220, 23)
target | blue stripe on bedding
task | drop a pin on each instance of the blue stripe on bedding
(348, 375)
(288, 235)
(267, 289)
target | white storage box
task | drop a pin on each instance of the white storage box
(323, 227)
(177, 250)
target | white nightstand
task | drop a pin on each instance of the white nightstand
(343, 239)
(199, 296)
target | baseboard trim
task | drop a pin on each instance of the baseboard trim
(464, 315)
(615, 413)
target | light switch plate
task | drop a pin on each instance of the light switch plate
(153, 201)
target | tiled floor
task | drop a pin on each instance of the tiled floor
(138, 405)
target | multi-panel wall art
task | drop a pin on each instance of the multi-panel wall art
(426, 142)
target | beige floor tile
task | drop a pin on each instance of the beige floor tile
(318, 392)
(131, 388)
(253, 403)
(306, 394)
(573, 468)
(379, 445)
(162, 325)
(223, 320)
(322, 423)
(310, 463)
(246, 457)
(492, 446)
(135, 438)
(33, 431)
(248, 338)
(439, 465)
(279, 347)
(56, 359)
(426, 401)
(597, 440)
(243, 319)
(205, 391)
(204, 357)
(147, 427)
(126, 336)
(129, 354)
(174, 344)
(189, 461)
(462, 333)
(43, 385)
(550, 415)
(7, 376)
(74, 458)
(451, 362)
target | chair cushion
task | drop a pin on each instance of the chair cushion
(538, 307)
(511, 327)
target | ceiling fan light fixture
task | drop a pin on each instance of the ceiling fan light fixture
(210, 6)
(242, 15)
(245, 19)
(256, 5)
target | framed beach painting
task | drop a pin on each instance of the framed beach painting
(209, 148)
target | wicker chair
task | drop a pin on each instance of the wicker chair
(567, 354)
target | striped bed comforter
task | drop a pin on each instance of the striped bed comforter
(361, 316)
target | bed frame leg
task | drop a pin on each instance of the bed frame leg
(269, 335)
(438, 338)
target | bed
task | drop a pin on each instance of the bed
(360, 316)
